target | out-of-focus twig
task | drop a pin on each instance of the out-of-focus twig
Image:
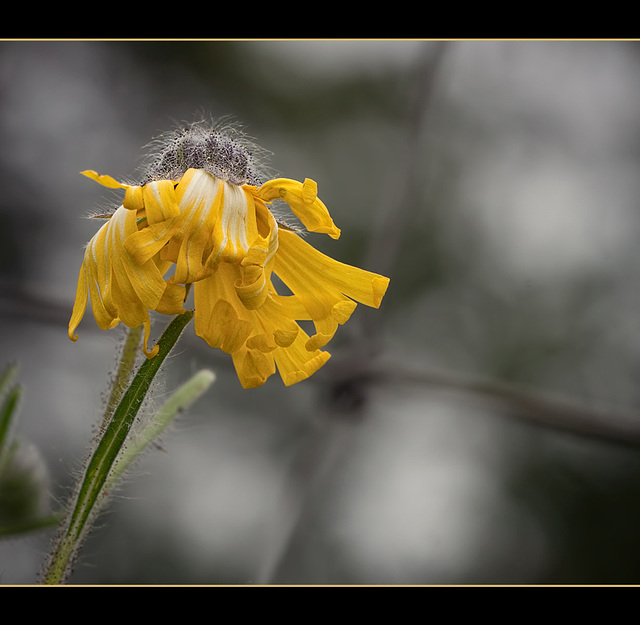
(394, 215)
(395, 210)
(18, 302)
(550, 410)
(346, 379)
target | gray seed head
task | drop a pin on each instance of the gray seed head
(222, 150)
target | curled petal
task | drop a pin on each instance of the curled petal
(200, 197)
(133, 199)
(146, 243)
(119, 288)
(161, 213)
(294, 364)
(160, 201)
(253, 367)
(260, 340)
(297, 362)
(216, 319)
(304, 202)
(104, 180)
(139, 282)
(255, 268)
(325, 287)
(79, 306)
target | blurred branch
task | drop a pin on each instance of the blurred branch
(18, 302)
(350, 375)
(549, 410)
(394, 216)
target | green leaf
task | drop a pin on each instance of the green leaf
(9, 399)
(179, 401)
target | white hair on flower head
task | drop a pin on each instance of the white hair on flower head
(221, 148)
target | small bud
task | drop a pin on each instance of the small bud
(24, 478)
(24, 489)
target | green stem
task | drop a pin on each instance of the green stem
(124, 372)
(91, 493)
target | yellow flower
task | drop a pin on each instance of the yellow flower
(222, 237)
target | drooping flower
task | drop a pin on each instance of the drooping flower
(203, 212)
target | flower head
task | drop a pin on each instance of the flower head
(203, 212)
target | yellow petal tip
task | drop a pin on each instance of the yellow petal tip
(105, 181)
(152, 353)
(380, 286)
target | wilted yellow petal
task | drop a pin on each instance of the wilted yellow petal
(119, 288)
(324, 286)
(217, 319)
(199, 197)
(105, 181)
(79, 306)
(256, 267)
(160, 201)
(297, 362)
(253, 367)
(304, 202)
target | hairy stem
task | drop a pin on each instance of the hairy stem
(124, 372)
(91, 493)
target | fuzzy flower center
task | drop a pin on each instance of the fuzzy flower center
(217, 151)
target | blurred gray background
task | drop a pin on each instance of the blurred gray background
(495, 182)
